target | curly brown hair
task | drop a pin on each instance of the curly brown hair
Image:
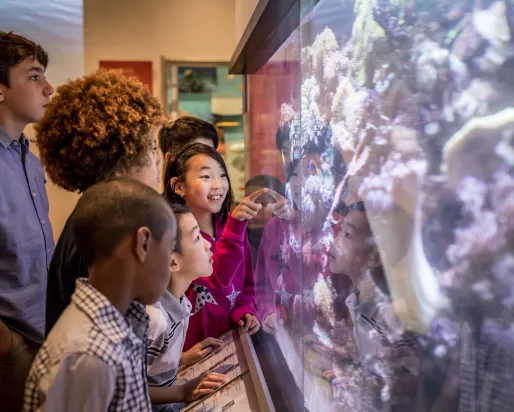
(96, 127)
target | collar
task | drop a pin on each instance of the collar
(178, 310)
(104, 314)
(367, 307)
(6, 139)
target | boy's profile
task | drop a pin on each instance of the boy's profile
(169, 319)
(26, 237)
(94, 357)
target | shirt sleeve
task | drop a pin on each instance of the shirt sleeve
(246, 302)
(230, 253)
(264, 288)
(81, 382)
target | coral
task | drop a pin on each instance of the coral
(476, 139)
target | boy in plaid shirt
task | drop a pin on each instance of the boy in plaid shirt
(94, 359)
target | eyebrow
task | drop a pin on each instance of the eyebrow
(352, 226)
(194, 229)
(36, 69)
(205, 168)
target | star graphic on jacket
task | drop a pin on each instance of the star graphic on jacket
(279, 258)
(203, 296)
(282, 291)
(232, 297)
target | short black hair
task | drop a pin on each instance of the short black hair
(183, 131)
(177, 167)
(179, 211)
(13, 50)
(282, 135)
(266, 181)
(110, 211)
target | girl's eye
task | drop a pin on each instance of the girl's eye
(347, 235)
(204, 177)
(197, 239)
(224, 175)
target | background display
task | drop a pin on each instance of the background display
(391, 284)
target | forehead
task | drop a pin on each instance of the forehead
(199, 161)
(187, 222)
(28, 64)
(358, 221)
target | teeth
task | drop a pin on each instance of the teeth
(214, 197)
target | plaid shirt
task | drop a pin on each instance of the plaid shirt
(487, 368)
(93, 359)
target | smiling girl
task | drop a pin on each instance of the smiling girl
(198, 178)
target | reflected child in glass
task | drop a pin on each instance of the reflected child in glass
(386, 352)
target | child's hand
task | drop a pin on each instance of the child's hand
(203, 385)
(248, 209)
(271, 322)
(250, 323)
(282, 208)
(200, 351)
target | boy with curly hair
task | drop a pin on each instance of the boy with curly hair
(25, 232)
(96, 127)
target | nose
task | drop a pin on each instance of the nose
(215, 183)
(48, 90)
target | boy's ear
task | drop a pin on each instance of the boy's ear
(2, 93)
(175, 263)
(177, 186)
(143, 240)
(167, 157)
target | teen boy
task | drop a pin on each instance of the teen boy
(26, 240)
(93, 360)
(169, 319)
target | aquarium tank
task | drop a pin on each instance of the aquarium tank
(385, 269)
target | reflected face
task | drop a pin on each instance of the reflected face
(29, 92)
(195, 255)
(206, 184)
(352, 245)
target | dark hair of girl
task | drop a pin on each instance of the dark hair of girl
(178, 167)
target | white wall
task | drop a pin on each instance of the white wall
(57, 26)
(197, 30)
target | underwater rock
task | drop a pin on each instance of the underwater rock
(474, 101)
(475, 144)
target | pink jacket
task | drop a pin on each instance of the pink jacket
(285, 272)
(221, 300)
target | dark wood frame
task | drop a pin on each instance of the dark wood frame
(271, 24)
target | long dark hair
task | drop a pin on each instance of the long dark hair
(178, 167)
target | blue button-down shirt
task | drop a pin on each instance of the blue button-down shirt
(26, 240)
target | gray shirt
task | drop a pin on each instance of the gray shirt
(26, 240)
(169, 319)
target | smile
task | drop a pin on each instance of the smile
(217, 197)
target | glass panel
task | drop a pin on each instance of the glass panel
(388, 283)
